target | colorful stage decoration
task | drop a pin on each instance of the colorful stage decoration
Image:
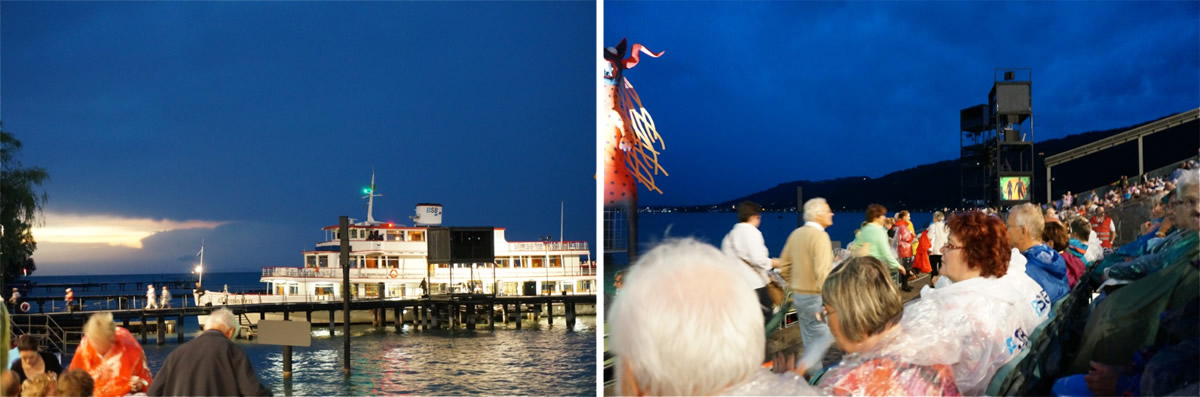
(632, 144)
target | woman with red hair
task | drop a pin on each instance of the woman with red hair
(975, 324)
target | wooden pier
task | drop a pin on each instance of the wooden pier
(436, 312)
(88, 286)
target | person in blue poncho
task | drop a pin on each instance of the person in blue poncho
(1047, 267)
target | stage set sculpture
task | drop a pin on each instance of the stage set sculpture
(631, 148)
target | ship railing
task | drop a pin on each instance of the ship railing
(416, 273)
(336, 272)
(542, 246)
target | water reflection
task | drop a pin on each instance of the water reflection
(540, 359)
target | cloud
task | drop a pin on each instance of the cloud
(110, 230)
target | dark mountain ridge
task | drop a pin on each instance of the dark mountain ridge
(937, 185)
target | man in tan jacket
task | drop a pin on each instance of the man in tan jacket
(805, 263)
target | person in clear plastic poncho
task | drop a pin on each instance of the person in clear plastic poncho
(978, 322)
(112, 357)
(687, 325)
(863, 310)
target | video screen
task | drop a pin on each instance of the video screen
(1014, 188)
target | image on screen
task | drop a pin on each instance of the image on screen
(1014, 188)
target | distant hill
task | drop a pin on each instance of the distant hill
(937, 185)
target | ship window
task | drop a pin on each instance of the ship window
(395, 235)
(416, 236)
(323, 261)
(555, 261)
(517, 262)
(502, 263)
(538, 262)
(310, 261)
(293, 290)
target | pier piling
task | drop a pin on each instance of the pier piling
(569, 308)
(179, 328)
(519, 318)
(143, 326)
(161, 331)
(287, 360)
(331, 322)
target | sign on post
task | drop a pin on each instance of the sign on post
(285, 333)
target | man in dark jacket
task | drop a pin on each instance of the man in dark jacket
(210, 365)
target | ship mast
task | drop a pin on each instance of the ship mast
(369, 191)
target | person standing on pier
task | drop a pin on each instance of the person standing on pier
(14, 300)
(70, 299)
(151, 298)
(806, 260)
(745, 242)
(210, 365)
(166, 299)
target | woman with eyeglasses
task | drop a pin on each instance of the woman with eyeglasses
(863, 310)
(977, 323)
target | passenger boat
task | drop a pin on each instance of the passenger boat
(390, 261)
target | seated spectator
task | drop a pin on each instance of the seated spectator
(1080, 230)
(863, 309)
(1178, 246)
(112, 357)
(1127, 320)
(75, 383)
(34, 362)
(10, 383)
(1052, 216)
(975, 324)
(687, 325)
(41, 385)
(1044, 265)
(1055, 234)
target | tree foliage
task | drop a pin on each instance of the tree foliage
(21, 201)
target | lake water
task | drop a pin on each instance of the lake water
(540, 359)
(711, 227)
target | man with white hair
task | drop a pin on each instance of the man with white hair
(1045, 266)
(210, 365)
(681, 328)
(806, 261)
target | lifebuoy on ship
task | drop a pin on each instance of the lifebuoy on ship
(24, 307)
(393, 273)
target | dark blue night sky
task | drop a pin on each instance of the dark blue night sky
(749, 95)
(266, 118)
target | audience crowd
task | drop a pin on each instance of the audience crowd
(689, 318)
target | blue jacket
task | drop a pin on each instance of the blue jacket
(1049, 270)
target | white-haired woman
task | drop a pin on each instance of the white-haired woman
(112, 357)
(687, 325)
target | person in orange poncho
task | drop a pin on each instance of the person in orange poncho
(922, 261)
(112, 357)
